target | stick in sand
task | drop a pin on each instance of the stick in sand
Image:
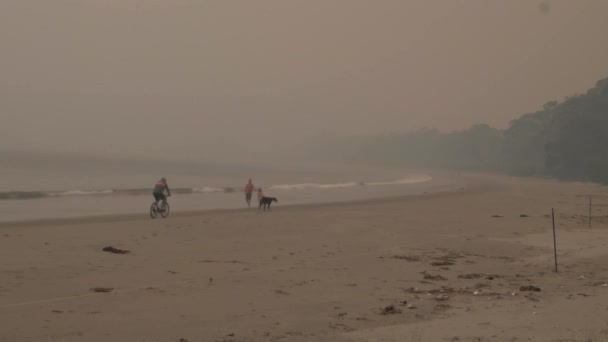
(554, 240)
(589, 211)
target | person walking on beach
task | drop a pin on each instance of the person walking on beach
(248, 192)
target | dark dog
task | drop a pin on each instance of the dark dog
(266, 202)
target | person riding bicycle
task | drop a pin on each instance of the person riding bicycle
(159, 190)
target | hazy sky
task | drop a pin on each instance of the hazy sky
(205, 77)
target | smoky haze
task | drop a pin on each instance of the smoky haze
(224, 79)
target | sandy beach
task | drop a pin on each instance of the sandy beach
(455, 266)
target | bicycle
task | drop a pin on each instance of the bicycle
(163, 210)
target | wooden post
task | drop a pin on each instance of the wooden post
(589, 211)
(554, 239)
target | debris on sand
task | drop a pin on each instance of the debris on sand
(111, 249)
(207, 261)
(529, 288)
(413, 290)
(102, 289)
(280, 292)
(390, 310)
(446, 260)
(442, 263)
(470, 276)
(442, 297)
(437, 277)
(410, 258)
(523, 215)
(442, 290)
(478, 276)
(496, 216)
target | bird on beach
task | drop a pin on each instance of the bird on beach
(210, 280)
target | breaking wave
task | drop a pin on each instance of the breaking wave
(24, 195)
(409, 180)
(84, 193)
(314, 186)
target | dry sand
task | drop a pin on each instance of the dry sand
(320, 273)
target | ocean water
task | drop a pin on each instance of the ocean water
(49, 189)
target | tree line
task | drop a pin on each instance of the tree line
(567, 140)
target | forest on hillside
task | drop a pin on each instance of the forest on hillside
(567, 140)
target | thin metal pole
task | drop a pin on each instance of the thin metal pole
(554, 239)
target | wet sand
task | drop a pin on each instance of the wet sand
(452, 265)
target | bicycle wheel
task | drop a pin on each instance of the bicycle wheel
(154, 210)
(164, 211)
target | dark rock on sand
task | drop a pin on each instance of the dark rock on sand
(111, 249)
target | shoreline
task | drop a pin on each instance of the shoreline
(452, 186)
